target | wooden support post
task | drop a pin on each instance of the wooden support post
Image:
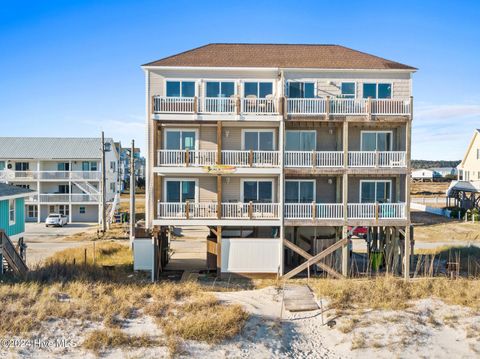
(376, 212)
(250, 158)
(153, 104)
(187, 209)
(327, 108)
(250, 210)
(314, 158)
(345, 254)
(369, 108)
(219, 250)
(345, 197)
(237, 104)
(219, 143)
(345, 144)
(195, 105)
(187, 157)
(219, 196)
(314, 210)
(406, 258)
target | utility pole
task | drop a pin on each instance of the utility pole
(104, 198)
(132, 191)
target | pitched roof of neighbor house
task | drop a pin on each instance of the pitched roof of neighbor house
(8, 190)
(50, 148)
(279, 55)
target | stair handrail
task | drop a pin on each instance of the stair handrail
(12, 256)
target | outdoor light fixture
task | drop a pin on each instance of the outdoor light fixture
(227, 133)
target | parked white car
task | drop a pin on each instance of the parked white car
(55, 219)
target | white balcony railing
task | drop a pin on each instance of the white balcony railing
(251, 158)
(174, 104)
(68, 197)
(313, 211)
(313, 159)
(377, 159)
(376, 211)
(294, 106)
(50, 175)
(259, 106)
(210, 210)
(186, 158)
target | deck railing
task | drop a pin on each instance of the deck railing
(251, 158)
(377, 159)
(186, 158)
(313, 159)
(67, 197)
(376, 211)
(294, 106)
(259, 106)
(50, 175)
(313, 211)
(238, 210)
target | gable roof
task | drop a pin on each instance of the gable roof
(7, 190)
(475, 133)
(279, 55)
(50, 148)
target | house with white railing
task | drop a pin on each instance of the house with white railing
(65, 174)
(280, 150)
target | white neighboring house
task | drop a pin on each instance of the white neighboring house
(65, 173)
(469, 168)
(445, 171)
(424, 174)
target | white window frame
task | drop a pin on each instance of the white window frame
(376, 89)
(242, 83)
(310, 81)
(375, 181)
(376, 138)
(204, 86)
(182, 179)
(181, 129)
(298, 194)
(12, 207)
(243, 180)
(272, 130)
(355, 89)
(314, 131)
(195, 82)
(33, 209)
(80, 210)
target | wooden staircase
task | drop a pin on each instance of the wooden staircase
(11, 259)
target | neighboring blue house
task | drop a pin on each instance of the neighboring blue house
(12, 210)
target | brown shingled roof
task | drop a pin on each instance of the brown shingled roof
(279, 55)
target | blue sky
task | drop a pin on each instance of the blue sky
(72, 68)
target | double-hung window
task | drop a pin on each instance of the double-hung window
(257, 191)
(258, 140)
(375, 191)
(301, 89)
(299, 191)
(348, 89)
(180, 88)
(301, 140)
(257, 89)
(11, 211)
(376, 141)
(377, 90)
(180, 191)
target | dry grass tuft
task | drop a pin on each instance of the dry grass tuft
(394, 293)
(101, 340)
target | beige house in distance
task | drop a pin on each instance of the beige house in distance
(469, 168)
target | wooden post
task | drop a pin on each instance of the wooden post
(237, 104)
(153, 104)
(219, 250)
(219, 196)
(345, 197)
(250, 158)
(406, 258)
(314, 158)
(85, 257)
(285, 107)
(187, 209)
(314, 210)
(327, 108)
(187, 157)
(376, 212)
(376, 158)
(345, 144)
(369, 108)
(345, 254)
(250, 210)
(195, 105)
(219, 143)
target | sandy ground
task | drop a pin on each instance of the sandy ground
(43, 241)
(428, 329)
(189, 249)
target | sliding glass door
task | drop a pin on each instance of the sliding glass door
(375, 191)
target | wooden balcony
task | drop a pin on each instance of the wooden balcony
(239, 210)
(313, 158)
(200, 158)
(313, 211)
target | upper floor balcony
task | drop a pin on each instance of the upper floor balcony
(12, 175)
(318, 106)
(64, 198)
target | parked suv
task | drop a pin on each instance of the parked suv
(55, 219)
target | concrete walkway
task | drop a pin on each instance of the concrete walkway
(299, 298)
